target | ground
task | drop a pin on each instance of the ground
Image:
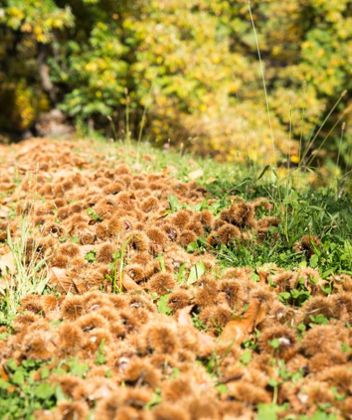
(142, 284)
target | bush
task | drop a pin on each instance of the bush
(26, 29)
(189, 68)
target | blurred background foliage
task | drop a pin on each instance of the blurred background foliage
(186, 72)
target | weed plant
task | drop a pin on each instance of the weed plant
(30, 274)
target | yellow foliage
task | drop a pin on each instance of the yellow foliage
(191, 67)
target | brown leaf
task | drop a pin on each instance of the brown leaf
(236, 331)
(184, 316)
(211, 179)
(6, 186)
(57, 276)
(198, 173)
(7, 263)
(3, 374)
(4, 212)
(206, 343)
(170, 170)
(129, 284)
(263, 276)
(137, 167)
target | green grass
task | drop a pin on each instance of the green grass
(21, 394)
(30, 274)
(26, 387)
(303, 209)
(147, 158)
(308, 211)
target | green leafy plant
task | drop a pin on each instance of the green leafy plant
(21, 394)
(93, 215)
(116, 273)
(268, 411)
(155, 400)
(196, 272)
(73, 366)
(161, 260)
(174, 204)
(91, 256)
(163, 306)
(222, 389)
(198, 323)
(101, 357)
(319, 319)
(246, 357)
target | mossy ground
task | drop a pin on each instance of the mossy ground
(135, 281)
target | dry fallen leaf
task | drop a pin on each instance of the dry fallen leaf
(236, 331)
(3, 374)
(206, 343)
(129, 284)
(137, 167)
(7, 264)
(198, 173)
(57, 276)
(170, 170)
(263, 276)
(148, 158)
(184, 317)
(211, 180)
(4, 212)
